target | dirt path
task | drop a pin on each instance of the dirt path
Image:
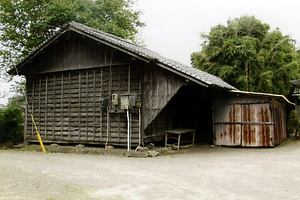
(202, 172)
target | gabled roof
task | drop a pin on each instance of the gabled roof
(196, 75)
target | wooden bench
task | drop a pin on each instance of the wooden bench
(178, 132)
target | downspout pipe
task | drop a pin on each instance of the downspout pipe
(140, 136)
(107, 127)
(128, 131)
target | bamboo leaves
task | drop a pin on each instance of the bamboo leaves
(247, 55)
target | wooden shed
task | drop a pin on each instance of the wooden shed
(249, 119)
(87, 86)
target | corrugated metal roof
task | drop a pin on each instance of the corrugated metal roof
(139, 51)
(278, 96)
(296, 82)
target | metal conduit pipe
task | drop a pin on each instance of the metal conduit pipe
(128, 131)
(107, 127)
(139, 130)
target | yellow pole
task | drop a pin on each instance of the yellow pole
(38, 135)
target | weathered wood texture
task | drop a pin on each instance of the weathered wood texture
(250, 121)
(66, 81)
(158, 87)
(72, 52)
(65, 84)
(190, 107)
(157, 127)
(66, 105)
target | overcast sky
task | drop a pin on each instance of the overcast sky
(174, 26)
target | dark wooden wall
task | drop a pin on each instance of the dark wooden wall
(65, 84)
(158, 87)
(190, 107)
(67, 80)
(71, 52)
(66, 106)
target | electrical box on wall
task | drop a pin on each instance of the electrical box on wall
(115, 99)
(128, 101)
(104, 102)
(125, 101)
(132, 100)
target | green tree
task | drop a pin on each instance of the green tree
(246, 54)
(27, 23)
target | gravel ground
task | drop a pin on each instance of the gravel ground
(199, 172)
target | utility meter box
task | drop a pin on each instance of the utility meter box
(104, 102)
(128, 101)
(132, 100)
(115, 99)
(125, 104)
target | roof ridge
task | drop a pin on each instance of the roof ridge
(74, 23)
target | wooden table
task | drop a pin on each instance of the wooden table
(178, 132)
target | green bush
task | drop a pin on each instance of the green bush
(11, 125)
(298, 128)
(292, 123)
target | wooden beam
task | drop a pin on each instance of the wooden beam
(183, 75)
(87, 104)
(69, 107)
(53, 112)
(61, 105)
(46, 106)
(94, 101)
(32, 109)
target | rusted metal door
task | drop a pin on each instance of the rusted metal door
(247, 125)
(256, 125)
(227, 127)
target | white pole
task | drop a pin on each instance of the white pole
(107, 126)
(128, 131)
(140, 127)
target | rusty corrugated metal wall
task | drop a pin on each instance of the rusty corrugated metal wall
(249, 121)
(279, 118)
(256, 125)
(227, 131)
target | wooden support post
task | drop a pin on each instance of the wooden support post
(94, 106)
(61, 106)
(46, 106)
(53, 111)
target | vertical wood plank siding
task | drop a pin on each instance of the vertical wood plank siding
(67, 80)
(158, 87)
(66, 105)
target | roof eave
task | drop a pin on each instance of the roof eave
(182, 74)
(263, 94)
(295, 82)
